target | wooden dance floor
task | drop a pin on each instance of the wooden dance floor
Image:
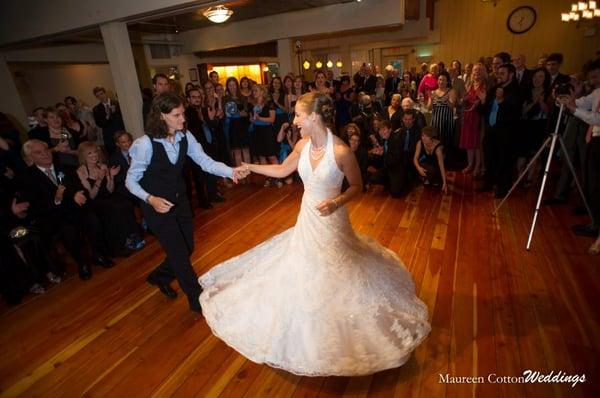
(495, 309)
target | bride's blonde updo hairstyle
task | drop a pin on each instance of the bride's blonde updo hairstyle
(320, 104)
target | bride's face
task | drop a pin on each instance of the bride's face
(306, 123)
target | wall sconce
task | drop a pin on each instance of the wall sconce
(339, 64)
(330, 64)
(319, 64)
(306, 65)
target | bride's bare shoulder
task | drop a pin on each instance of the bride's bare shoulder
(339, 146)
(300, 144)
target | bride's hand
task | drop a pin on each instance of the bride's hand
(327, 207)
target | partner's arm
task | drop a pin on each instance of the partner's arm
(289, 165)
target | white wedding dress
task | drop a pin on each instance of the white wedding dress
(317, 299)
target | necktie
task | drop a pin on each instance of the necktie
(51, 176)
(407, 141)
(128, 157)
(385, 146)
(108, 110)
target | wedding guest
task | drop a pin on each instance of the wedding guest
(429, 159)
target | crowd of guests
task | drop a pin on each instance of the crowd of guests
(405, 128)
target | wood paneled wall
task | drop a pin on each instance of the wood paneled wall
(472, 28)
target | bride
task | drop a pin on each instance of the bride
(318, 299)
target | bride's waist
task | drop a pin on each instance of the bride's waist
(320, 194)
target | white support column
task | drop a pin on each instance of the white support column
(120, 57)
(285, 54)
(10, 100)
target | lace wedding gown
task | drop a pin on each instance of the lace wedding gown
(317, 299)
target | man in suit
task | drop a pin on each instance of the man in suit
(122, 159)
(56, 208)
(523, 75)
(502, 109)
(107, 116)
(391, 86)
(160, 84)
(331, 82)
(553, 64)
(394, 174)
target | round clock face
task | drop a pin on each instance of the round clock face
(521, 19)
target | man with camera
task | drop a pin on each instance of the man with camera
(587, 109)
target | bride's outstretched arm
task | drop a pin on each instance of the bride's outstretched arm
(289, 165)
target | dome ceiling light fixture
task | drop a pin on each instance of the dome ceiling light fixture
(218, 14)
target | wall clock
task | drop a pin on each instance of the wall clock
(521, 19)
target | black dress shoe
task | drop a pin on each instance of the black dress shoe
(218, 198)
(102, 261)
(85, 272)
(163, 287)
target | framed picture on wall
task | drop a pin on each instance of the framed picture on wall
(193, 74)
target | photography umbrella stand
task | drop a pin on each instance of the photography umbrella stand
(552, 139)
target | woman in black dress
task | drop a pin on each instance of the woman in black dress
(265, 137)
(237, 122)
(116, 214)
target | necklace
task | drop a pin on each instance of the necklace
(317, 153)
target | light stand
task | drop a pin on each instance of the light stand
(552, 139)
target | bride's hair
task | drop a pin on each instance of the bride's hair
(320, 104)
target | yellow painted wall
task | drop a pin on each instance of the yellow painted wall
(469, 29)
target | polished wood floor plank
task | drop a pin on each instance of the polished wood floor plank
(494, 307)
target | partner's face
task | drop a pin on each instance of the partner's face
(124, 142)
(174, 119)
(407, 104)
(408, 121)
(395, 102)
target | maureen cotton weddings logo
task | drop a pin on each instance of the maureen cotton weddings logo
(528, 376)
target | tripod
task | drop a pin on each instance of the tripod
(552, 139)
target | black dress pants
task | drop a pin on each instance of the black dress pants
(174, 231)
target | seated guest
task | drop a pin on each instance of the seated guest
(56, 207)
(429, 159)
(351, 135)
(61, 141)
(116, 214)
(121, 159)
(24, 262)
(394, 172)
(362, 113)
(393, 112)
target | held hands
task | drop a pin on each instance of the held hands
(160, 205)
(327, 207)
(241, 172)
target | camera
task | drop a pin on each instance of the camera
(564, 89)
